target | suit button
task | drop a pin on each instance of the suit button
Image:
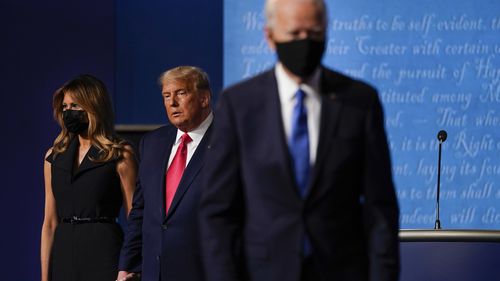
(158, 258)
(164, 226)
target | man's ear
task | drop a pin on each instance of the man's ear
(205, 98)
(268, 32)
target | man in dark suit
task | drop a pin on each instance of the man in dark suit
(299, 185)
(161, 240)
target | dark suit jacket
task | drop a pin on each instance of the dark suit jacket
(156, 243)
(253, 219)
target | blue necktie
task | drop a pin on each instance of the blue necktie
(299, 149)
(299, 143)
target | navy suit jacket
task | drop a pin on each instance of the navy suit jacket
(253, 219)
(164, 246)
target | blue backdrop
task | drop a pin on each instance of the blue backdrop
(128, 44)
(155, 37)
(43, 44)
(436, 66)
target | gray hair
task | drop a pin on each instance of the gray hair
(270, 10)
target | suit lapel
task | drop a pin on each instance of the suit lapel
(65, 161)
(165, 143)
(273, 118)
(331, 107)
(87, 163)
(192, 169)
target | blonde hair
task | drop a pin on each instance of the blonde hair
(91, 94)
(195, 77)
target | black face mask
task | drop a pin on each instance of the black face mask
(301, 57)
(75, 121)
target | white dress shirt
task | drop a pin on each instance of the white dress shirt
(196, 135)
(287, 89)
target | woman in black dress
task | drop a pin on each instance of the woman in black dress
(88, 172)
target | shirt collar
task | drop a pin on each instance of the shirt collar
(287, 86)
(198, 133)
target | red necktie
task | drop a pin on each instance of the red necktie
(175, 171)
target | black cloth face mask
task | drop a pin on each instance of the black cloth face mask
(301, 57)
(75, 121)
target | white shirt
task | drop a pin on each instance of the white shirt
(287, 89)
(196, 135)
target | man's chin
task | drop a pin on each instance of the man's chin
(175, 119)
(177, 123)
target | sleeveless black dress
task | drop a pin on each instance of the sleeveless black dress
(85, 251)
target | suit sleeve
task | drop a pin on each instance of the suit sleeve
(381, 211)
(221, 210)
(131, 252)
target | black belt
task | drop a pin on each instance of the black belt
(78, 220)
